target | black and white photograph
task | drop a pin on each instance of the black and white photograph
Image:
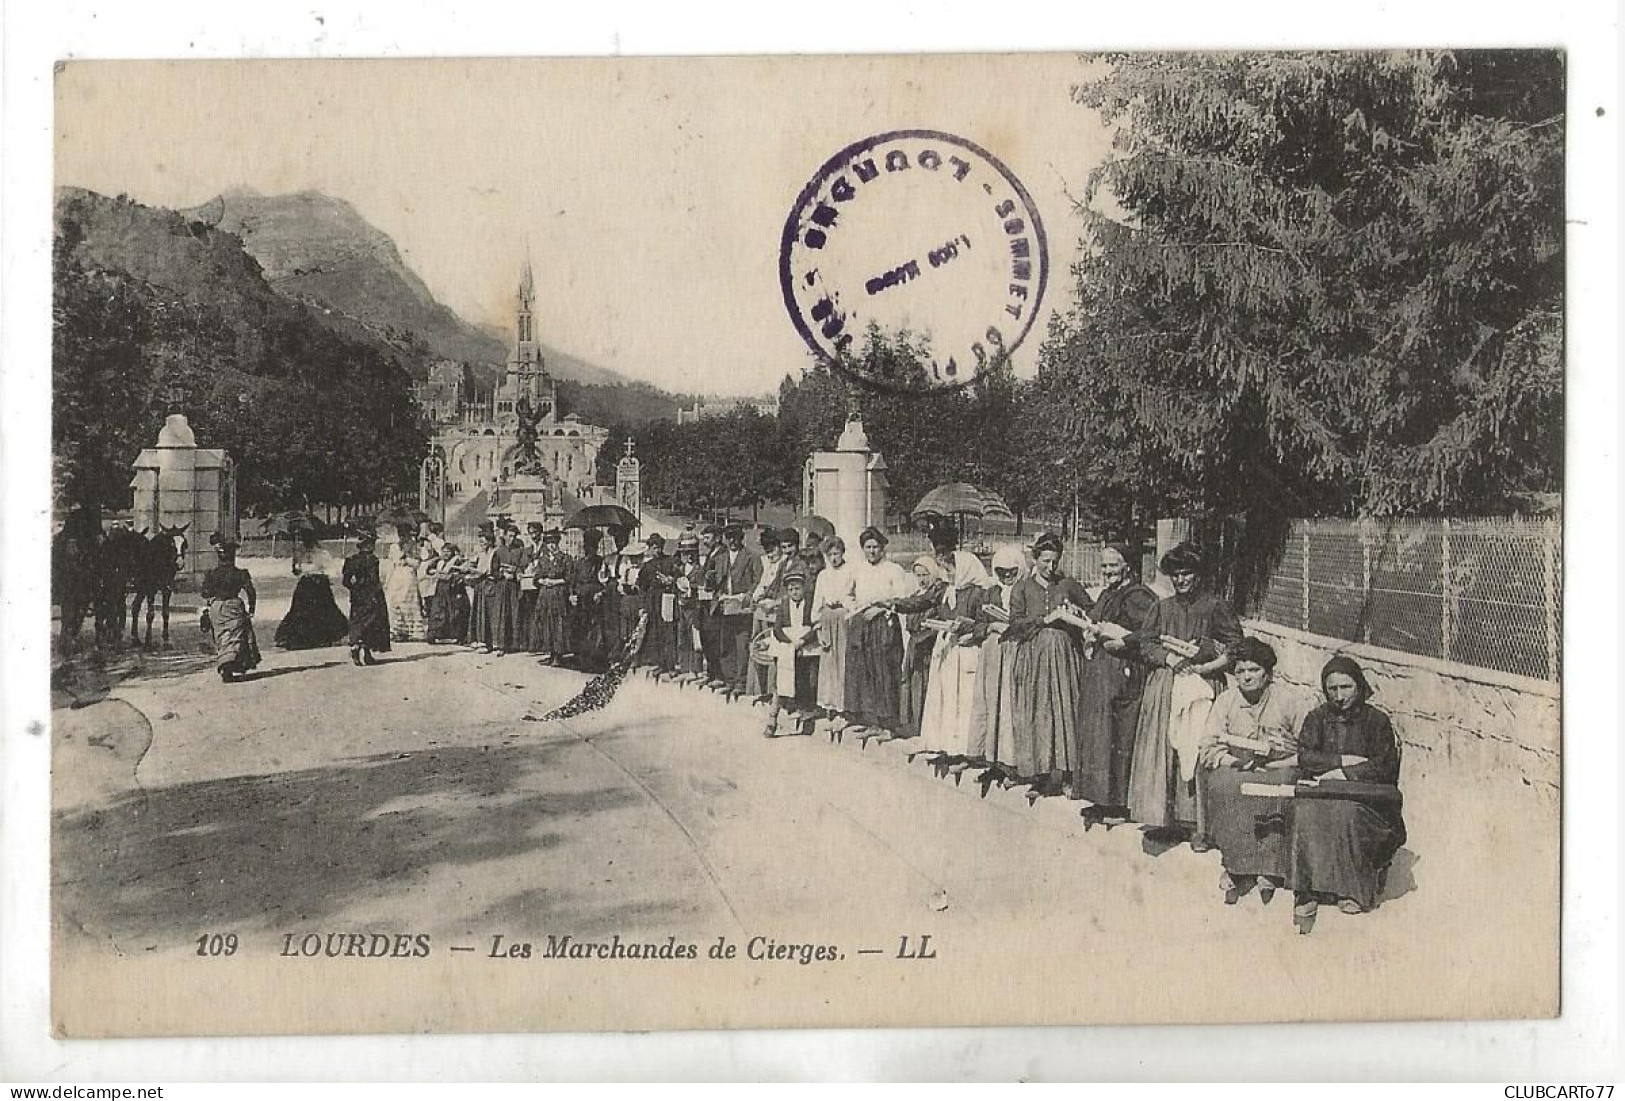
(662, 543)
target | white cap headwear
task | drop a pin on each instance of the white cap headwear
(1009, 558)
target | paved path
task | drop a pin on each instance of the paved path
(421, 796)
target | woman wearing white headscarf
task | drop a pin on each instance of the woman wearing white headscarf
(951, 688)
(992, 714)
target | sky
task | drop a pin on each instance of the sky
(650, 194)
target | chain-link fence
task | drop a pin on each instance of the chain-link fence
(1485, 592)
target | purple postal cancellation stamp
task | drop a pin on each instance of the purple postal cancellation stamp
(917, 231)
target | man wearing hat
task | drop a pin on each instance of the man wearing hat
(792, 649)
(735, 573)
(551, 571)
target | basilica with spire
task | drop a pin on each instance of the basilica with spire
(482, 438)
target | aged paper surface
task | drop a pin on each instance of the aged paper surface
(425, 845)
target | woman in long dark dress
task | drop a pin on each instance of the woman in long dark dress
(314, 618)
(369, 614)
(1113, 684)
(874, 641)
(1049, 667)
(1343, 842)
(918, 641)
(448, 607)
(1179, 692)
(1251, 739)
(231, 617)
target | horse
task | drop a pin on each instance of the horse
(120, 550)
(159, 560)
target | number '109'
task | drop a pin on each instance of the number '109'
(217, 944)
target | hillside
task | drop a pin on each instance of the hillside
(152, 306)
(318, 249)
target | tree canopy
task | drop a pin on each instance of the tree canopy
(1319, 283)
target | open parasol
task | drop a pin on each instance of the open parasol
(601, 516)
(813, 524)
(957, 499)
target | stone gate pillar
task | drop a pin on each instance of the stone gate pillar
(848, 486)
(179, 484)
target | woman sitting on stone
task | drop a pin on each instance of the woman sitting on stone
(1346, 821)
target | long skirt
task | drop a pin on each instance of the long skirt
(993, 708)
(950, 698)
(916, 678)
(1162, 791)
(1104, 739)
(547, 625)
(874, 670)
(1048, 678)
(236, 650)
(1250, 831)
(314, 618)
(660, 633)
(500, 606)
(833, 634)
(1341, 847)
(369, 619)
(405, 613)
(448, 612)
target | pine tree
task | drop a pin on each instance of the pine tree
(1325, 283)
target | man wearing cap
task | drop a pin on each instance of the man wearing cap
(735, 573)
(551, 570)
(792, 645)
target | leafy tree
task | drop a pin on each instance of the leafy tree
(1322, 283)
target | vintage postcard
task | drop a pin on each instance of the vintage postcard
(774, 542)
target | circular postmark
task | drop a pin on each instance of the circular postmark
(914, 232)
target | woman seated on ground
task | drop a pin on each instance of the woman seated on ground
(1345, 833)
(314, 618)
(1250, 738)
(231, 617)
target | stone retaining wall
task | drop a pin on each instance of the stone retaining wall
(1459, 724)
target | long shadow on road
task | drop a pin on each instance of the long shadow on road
(253, 852)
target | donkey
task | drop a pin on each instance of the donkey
(159, 560)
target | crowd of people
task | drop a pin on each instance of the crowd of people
(1151, 710)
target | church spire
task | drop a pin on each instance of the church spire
(527, 299)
